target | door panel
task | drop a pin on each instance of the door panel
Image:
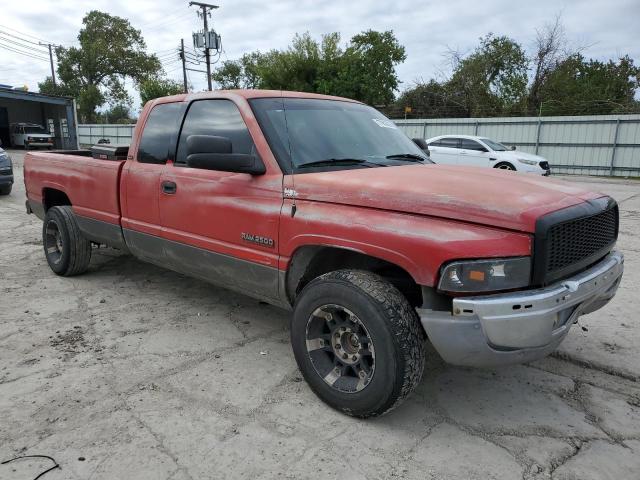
(445, 151)
(221, 226)
(473, 154)
(141, 181)
(223, 213)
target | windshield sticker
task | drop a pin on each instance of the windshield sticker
(385, 123)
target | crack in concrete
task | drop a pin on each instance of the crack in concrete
(557, 463)
(577, 398)
(594, 366)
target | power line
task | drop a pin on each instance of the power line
(166, 20)
(8, 37)
(24, 34)
(21, 52)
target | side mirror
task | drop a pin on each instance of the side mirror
(513, 147)
(422, 145)
(211, 152)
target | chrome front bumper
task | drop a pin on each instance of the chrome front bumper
(519, 327)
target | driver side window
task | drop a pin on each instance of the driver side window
(217, 118)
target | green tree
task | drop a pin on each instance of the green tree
(493, 78)
(580, 87)
(368, 72)
(429, 100)
(151, 88)
(110, 51)
(364, 69)
(116, 114)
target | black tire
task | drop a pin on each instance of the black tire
(396, 349)
(5, 189)
(505, 166)
(68, 253)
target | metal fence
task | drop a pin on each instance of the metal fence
(586, 145)
(90, 134)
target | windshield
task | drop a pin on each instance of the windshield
(495, 146)
(36, 130)
(329, 133)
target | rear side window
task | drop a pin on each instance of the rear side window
(215, 117)
(447, 142)
(157, 132)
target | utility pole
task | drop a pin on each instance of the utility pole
(184, 66)
(206, 7)
(53, 73)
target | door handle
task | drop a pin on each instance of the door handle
(169, 187)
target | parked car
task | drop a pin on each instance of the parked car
(322, 206)
(6, 173)
(30, 135)
(484, 152)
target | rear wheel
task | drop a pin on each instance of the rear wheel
(68, 253)
(5, 189)
(357, 342)
(505, 166)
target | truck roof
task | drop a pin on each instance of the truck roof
(256, 93)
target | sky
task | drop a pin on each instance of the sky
(603, 28)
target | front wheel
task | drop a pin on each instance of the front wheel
(357, 342)
(5, 189)
(68, 253)
(505, 166)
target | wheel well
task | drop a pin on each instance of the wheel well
(54, 198)
(504, 162)
(312, 261)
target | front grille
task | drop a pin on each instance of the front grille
(544, 165)
(8, 171)
(575, 240)
(572, 239)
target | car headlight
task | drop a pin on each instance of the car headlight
(528, 162)
(471, 276)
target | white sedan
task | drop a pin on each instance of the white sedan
(483, 152)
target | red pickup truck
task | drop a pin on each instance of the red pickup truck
(322, 206)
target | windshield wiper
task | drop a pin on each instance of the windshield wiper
(411, 157)
(340, 161)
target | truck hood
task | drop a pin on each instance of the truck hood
(484, 196)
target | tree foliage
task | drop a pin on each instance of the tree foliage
(151, 88)
(116, 114)
(363, 69)
(590, 87)
(493, 80)
(110, 51)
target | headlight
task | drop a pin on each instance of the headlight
(528, 162)
(471, 276)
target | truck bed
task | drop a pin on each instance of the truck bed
(92, 185)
